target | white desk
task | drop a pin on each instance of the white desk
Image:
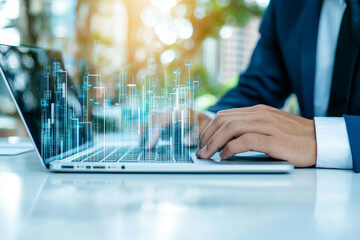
(307, 204)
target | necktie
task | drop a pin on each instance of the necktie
(345, 59)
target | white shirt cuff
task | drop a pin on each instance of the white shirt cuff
(333, 147)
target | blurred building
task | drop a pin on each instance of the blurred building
(228, 57)
(235, 52)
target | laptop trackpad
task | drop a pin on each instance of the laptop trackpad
(242, 156)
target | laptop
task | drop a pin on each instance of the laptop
(69, 145)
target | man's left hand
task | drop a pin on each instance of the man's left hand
(279, 134)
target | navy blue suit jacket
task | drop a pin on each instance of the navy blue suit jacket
(284, 61)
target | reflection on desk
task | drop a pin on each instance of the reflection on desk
(307, 204)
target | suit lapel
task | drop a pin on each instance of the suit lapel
(308, 54)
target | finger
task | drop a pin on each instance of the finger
(151, 138)
(256, 113)
(264, 110)
(162, 118)
(222, 119)
(191, 139)
(151, 131)
(203, 122)
(165, 117)
(248, 142)
(233, 129)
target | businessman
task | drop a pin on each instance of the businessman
(310, 48)
(307, 47)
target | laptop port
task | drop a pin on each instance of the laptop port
(99, 167)
(67, 166)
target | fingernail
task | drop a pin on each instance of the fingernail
(222, 156)
(202, 152)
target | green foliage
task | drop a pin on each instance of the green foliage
(209, 86)
(219, 13)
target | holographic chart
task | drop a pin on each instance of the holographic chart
(144, 119)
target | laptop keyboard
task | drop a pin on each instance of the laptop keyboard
(160, 154)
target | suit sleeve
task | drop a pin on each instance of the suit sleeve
(353, 130)
(265, 81)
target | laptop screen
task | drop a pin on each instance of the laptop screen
(46, 99)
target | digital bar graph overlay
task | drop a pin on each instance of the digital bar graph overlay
(75, 118)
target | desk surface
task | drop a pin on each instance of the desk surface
(307, 204)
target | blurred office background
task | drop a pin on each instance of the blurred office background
(218, 35)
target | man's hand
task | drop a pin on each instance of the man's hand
(203, 120)
(279, 134)
(164, 119)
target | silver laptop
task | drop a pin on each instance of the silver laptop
(70, 147)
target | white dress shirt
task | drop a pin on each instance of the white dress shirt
(333, 147)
